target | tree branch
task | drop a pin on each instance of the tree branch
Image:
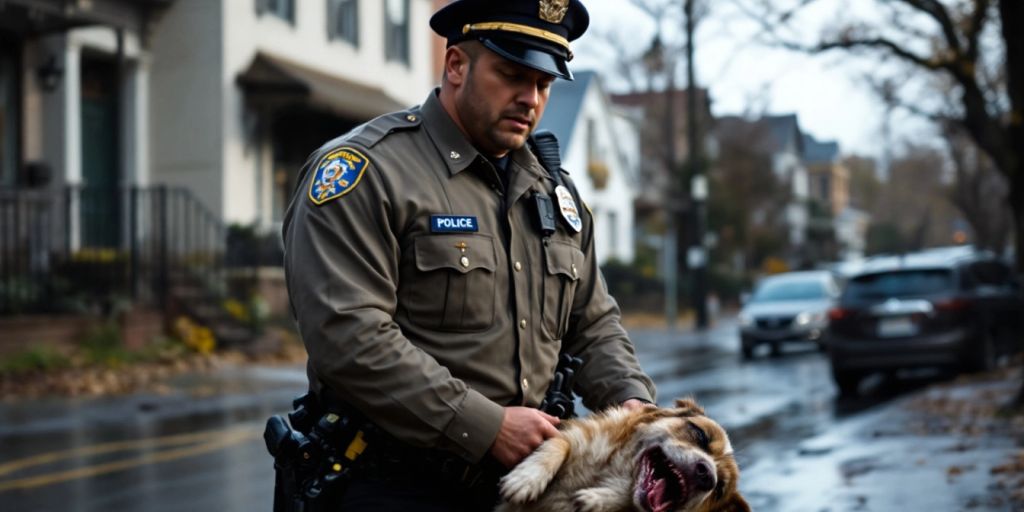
(936, 11)
(975, 27)
(877, 43)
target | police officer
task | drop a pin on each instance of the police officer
(426, 293)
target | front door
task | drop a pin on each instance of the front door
(100, 198)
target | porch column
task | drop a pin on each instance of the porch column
(72, 121)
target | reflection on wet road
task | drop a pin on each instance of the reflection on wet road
(199, 448)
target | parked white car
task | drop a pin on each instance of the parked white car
(787, 307)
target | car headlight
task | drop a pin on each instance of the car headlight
(746, 320)
(809, 318)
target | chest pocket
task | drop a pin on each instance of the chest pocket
(453, 288)
(564, 262)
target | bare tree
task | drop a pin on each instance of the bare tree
(974, 47)
(979, 192)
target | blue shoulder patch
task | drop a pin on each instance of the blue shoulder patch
(337, 174)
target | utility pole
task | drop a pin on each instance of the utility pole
(697, 254)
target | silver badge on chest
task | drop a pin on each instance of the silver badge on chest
(567, 205)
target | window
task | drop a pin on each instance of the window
(343, 21)
(8, 115)
(396, 31)
(898, 284)
(284, 9)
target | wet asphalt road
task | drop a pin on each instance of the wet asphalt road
(199, 448)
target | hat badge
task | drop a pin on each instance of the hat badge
(553, 11)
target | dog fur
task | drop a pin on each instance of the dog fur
(649, 460)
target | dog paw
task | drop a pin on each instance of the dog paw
(523, 485)
(595, 499)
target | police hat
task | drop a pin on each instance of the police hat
(534, 33)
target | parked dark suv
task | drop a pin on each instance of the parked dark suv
(952, 309)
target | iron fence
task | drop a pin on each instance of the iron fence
(82, 248)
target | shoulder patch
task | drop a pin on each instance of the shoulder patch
(337, 173)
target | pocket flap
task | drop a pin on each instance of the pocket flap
(462, 253)
(564, 259)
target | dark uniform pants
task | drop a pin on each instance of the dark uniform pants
(424, 495)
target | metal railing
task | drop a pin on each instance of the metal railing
(81, 248)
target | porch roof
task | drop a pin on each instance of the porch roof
(272, 81)
(31, 17)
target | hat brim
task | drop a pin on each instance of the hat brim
(528, 56)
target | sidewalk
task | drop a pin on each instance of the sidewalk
(942, 448)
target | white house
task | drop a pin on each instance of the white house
(601, 150)
(225, 98)
(242, 91)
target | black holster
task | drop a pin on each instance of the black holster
(315, 455)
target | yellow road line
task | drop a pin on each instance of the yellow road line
(228, 439)
(98, 449)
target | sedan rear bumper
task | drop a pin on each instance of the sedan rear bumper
(943, 349)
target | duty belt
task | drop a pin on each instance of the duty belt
(388, 458)
(396, 461)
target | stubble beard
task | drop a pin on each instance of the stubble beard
(485, 126)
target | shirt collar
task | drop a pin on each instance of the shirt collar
(449, 140)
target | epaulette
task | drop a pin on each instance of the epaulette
(375, 130)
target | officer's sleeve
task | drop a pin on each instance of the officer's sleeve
(611, 373)
(341, 265)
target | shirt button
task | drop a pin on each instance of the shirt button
(455, 155)
(465, 435)
(518, 266)
(464, 261)
(522, 324)
(575, 274)
(526, 384)
(411, 118)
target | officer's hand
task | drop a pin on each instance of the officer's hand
(522, 430)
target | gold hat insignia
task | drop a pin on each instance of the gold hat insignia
(553, 11)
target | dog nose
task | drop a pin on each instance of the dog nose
(704, 476)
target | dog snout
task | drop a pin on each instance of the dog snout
(703, 476)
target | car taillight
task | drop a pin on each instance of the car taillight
(958, 304)
(836, 314)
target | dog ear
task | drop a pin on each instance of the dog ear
(689, 405)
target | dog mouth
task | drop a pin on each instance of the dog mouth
(661, 486)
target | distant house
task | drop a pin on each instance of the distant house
(830, 186)
(600, 148)
(829, 179)
(660, 183)
(780, 141)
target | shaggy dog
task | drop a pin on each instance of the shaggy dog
(650, 460)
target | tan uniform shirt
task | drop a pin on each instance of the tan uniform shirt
(431, 333)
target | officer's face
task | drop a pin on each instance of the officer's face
(501, 102)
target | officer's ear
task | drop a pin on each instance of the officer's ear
(457, 63)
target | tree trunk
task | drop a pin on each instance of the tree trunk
(1017, 205)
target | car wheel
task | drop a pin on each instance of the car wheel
(747, 352)
(848, 382)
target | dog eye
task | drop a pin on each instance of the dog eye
(700, 436)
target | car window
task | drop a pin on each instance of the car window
(906, 283)
(772, 291)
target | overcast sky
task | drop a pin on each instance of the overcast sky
(826, 92)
